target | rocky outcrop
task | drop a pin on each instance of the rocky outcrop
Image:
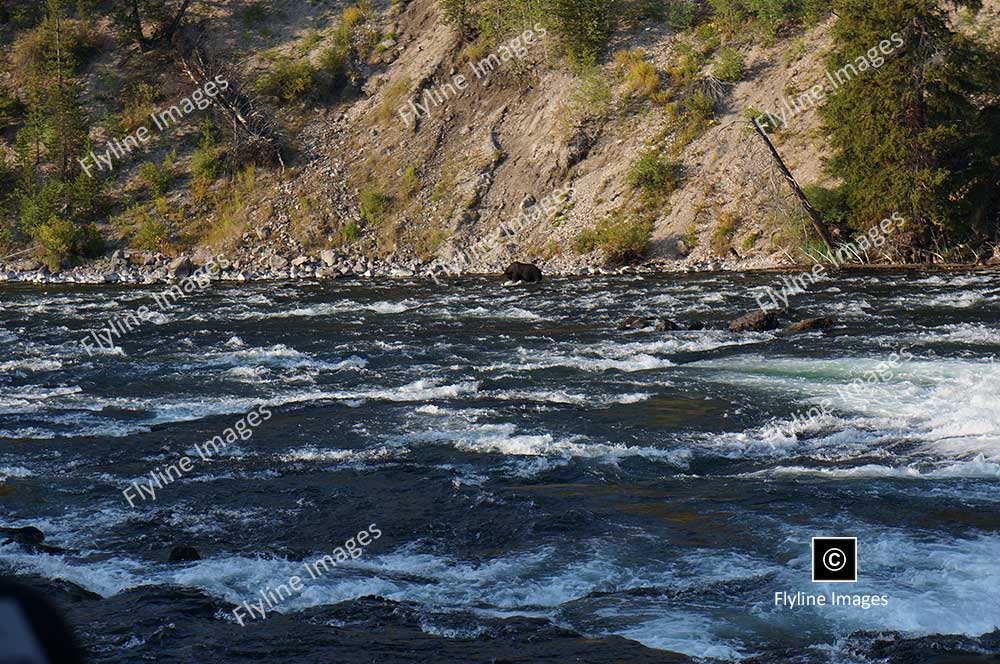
(758, 321)
(180, 268)
(808, 324)
(29, 538)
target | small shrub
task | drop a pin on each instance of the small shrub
(831, 204)
(722, 236)
(730, 67)
(288, 81)
(206, 161)
(159, 178)
(642, 79)
(795, 51)
(654, 174)
(11, 110)
(60, 241)
(395, 94)
(349, 233)
(252, 16)
(620, 238)
(583, 27)
(640, 76)
(151, 234)
(309, 42)
(766, 122)
(410, 183)
(352, 16)
(139, 104)
(374, 205)
(592, 97)
(335, 61)
(700, 107)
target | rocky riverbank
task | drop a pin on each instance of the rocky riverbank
(143, 268)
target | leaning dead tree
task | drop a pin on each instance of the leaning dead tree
(165, 14)
(255, 135)
(811, 212)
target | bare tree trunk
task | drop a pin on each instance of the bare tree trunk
(810, 211)
(168, 32)
(136, 18)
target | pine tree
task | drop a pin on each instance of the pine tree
(583, 26)
(56, 201)
(907, 137)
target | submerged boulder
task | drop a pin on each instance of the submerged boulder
(666, 325)
(523, 272)
(183, 554)
(634, 323)
(821, 323)
(758, 321)
(29, 537)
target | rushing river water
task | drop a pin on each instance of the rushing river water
(543, 483)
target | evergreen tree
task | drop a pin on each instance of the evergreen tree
(56, 201)
(583, 26)
(908, 136)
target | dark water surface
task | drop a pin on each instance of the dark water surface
(547, 487)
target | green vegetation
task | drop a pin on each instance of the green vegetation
(61, 241)
(641, 77)
(144, 229)
(349, 233)
(54, 201)
(721, 240)
(374, 205)
(620, 237)
(592, 98)
(932, 154)
(730, 67)
(158, 178)
(287, 81)
(206, 162)
(655, 175)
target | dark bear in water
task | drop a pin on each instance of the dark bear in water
(529, 274)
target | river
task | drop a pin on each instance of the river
(545, 486)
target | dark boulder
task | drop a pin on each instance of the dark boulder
(696, 326)
(29, 537)
(807, 324)
(633, 323)
(667, 325)
(183, 554)
(523, 272)
(758, 321)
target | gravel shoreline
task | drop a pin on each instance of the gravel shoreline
(141, 268)
(138, 268)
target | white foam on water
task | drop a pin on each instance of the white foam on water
(978, 468)
(6, 472)
(336, 309)
(564, 397)
(248, 374)
(950, 405)
(935, 586)
(506, 440)
(976, 334)
(30, 364)
(688, 633)
(315, 454)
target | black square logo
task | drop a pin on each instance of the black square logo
(835, 559)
